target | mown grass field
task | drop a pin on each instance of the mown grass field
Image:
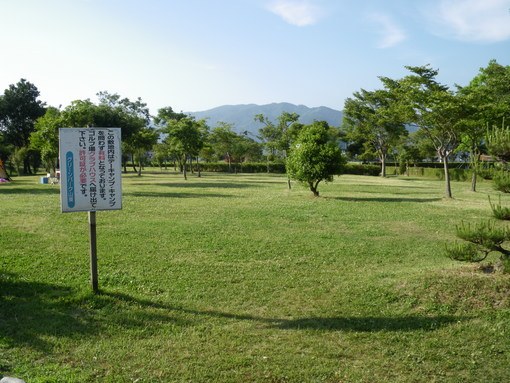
(233, 278)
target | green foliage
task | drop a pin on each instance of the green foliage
(362, 169)
(499, 212)
(18, 156)
(278, 138)
(19, 109)
(498, 143)
(483, 238)
(464, 252)
(486, 173)
(372, 118)
(485, 234)
(438, 112)
(501, 181)
(314, 157)
(490, 91)
(45, 137)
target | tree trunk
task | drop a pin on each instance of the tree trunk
(475, 157)
(448, 190)
(198, 169)
(139, 167)
(184, 171)
(383, 165)
(473, 181)
(26, 166)
(313, 188)
(288, 183)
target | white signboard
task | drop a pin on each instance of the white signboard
(90, 169)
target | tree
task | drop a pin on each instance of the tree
(314, 156)
(268, 134)
(244, 147)
(142, 141)
(491, 88)
(498, 144)
(165, 114)
(278, 138)
(222, 139)
(481, 240)
(435, 110)
(19, 109)
(187, 137)
(45, 137)
(372, 116)
(111, 111)
(488, 98)
(408, 152)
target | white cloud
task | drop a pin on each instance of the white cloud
(391, 33)
(475, 20)
(297, 12)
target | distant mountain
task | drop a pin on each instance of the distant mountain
(242, 115)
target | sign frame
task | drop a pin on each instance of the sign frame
(91, 169)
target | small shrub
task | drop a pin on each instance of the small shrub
(465, 252)
(482, 239)
(502, 182)
(499, 211)
(362, 169)
(486, 173)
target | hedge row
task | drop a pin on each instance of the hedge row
(456, 174)
(279, 167)
(434, 165)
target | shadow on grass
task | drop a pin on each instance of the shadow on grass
(32, 313)
(205, 185)
(355, 324)
(35, 314)
(177, 195)
(369, 324)
(385, 199)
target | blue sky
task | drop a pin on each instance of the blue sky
(194, 55)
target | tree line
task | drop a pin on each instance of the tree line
(447, 123)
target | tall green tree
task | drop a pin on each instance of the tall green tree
(278, 138)
(45, 137)
(143, 141)
(223, 139)
(488, 97)
(491, 87)
(315, 156)
(435, 110)
(111, 111)
(187, 137)
(165, 114)
(19, 109)
(373, 117)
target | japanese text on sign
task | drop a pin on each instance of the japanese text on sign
(91, 169)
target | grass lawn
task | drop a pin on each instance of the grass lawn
(234, 278)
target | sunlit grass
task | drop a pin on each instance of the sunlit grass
(234, 278)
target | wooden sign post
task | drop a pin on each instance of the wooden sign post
(91, 178)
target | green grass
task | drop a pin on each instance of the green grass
(233, 278)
